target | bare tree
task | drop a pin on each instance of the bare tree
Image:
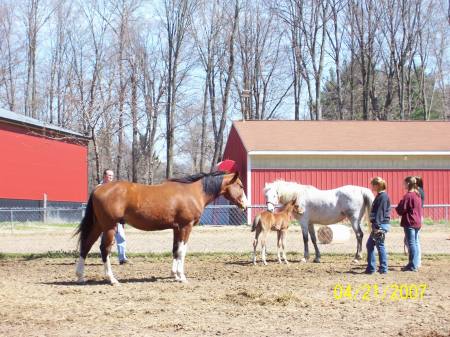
(307, 21)
(258, 54)
(367, 25)
(152, 85)
(8, 55)
(226, 72)
(178, 17)
(336, 35)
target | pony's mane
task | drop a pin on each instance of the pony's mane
(212, 182)
(287, 191)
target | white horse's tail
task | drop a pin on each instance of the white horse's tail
(368, 200)
(255, 222)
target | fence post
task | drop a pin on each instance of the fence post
(11, 217)
(45, 208)
(446, 214)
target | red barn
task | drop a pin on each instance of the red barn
(329, 154)
(40, 158)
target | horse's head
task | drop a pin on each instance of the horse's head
(233, 190)
(294, 208)
(271, 195)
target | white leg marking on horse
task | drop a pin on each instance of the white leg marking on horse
(283, 246)
(182, 248)
(173, 273)
(263, 254)
(108, 272)
(279, 247)
(79, 271)
(303, 259)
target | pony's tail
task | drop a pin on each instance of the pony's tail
(368, 200)
(86, 224)
(255, 222)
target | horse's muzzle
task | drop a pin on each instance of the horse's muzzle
(270, 207)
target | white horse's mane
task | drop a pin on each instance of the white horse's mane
(287, 191)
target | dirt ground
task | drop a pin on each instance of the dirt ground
(225, 296)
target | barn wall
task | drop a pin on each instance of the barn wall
(235, 150)
(436, 182)
(33, 165)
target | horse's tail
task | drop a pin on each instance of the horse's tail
(255, 222)
(86, 224)
(368, 200)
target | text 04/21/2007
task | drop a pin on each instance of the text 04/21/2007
(387, 292)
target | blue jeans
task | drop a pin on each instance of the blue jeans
(121, 243)
(419, 250)
(382, 253)
(413, 247)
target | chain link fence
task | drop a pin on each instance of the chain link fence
(12, 217)
(212, 215)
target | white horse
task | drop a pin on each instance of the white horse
(323, 207)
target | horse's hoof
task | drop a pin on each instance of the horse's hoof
(81, 280)
(265, 263)
(355, 261)
(181, 279)
(303, 260)
(114, 282)
(316, 260)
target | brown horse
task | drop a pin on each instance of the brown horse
(176, 204)
(268, 221)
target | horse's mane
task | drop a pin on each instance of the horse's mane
(287, 190)
(212, 182)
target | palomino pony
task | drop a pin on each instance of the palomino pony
(268, 221)
(323, 207)
(176, 204)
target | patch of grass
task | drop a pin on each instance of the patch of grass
(20, 226)
(285, 298)
(395, 222)
(249, 297)
(428, 221)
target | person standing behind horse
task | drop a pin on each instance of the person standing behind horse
(108, 176)
(410, 209)
(380, 217)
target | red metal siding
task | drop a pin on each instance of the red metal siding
(436, 182)
(33, 165)
(235, 150)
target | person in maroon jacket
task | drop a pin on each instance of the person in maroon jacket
(410, 209)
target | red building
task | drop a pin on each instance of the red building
(329, 154)
(41, 159)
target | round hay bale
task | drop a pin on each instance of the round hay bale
(333, 233)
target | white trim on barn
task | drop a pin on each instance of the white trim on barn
(249, 188)
(353, 153)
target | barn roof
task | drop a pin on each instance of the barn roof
(363, 136)
(15, 118)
